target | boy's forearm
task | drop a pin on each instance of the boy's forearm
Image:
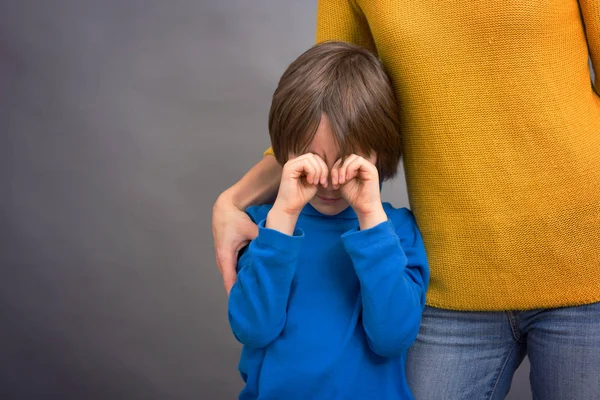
(391, 293)
(281, 221)
(258, 300)
(257, 303)
(258, 186)
(372, 219)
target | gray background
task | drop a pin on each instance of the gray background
(120, 123)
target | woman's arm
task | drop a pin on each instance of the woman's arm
(232, 228)
(344, 21)
(590, 11)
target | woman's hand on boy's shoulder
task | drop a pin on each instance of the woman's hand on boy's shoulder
(358, 181)
(232, 230)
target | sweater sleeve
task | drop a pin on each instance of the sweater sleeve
(393, 272)
(343, 20)
(590, 11)
(258, 300)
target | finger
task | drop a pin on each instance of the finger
(303, 166)
(321, 168)
(226, 261)
(368, 170)
(343, 169)
(335, 170)
(248, 231)
(324, 171)
(315, 168)
(354, 168)
(228, 282)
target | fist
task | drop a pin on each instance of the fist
(358, 182)
(299, 182)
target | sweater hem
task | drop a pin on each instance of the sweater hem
(516, 306)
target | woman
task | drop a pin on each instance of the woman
(501, 136)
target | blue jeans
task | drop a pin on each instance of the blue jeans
(473, 355)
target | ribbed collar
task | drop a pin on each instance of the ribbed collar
(347, 213)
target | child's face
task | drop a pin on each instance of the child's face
(329, 201)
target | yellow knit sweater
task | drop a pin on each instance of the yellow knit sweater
(501, 133)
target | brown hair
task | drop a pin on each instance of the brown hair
(349, 85)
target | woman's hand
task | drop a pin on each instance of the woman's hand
(232, 230)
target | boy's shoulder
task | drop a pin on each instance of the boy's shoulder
(258, 213)
(399, 216)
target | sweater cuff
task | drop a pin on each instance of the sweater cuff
(278, 240)
(381, 237)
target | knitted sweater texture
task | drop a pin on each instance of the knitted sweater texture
(501, 135)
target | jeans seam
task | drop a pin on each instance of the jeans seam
(501, 371)
(514, 328)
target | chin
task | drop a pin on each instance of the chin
(329, 209)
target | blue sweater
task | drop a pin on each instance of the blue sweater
(329, 312)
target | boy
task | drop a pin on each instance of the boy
(329, 295)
